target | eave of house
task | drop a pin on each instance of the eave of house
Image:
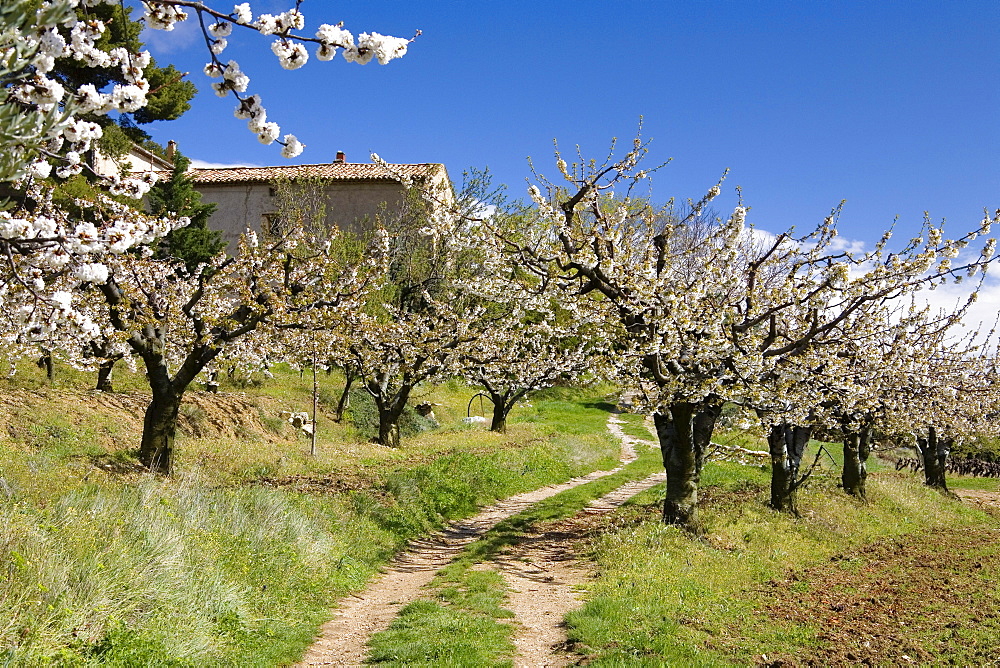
(335, 171)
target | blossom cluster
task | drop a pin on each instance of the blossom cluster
(710, 311)
(291, 52)
(56, 33)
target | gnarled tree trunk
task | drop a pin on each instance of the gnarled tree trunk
(388, 428)
(934, 453)
(787, 445)
(500, 411)
(684, 433)
(857, 447)
(104, 372)
(158, 431)
(390, 409)
(502, 405)
(345, 397)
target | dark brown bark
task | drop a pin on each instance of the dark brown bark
(46, 362)
(500, 410)
(345, 396)
(390, 409)
(684, 433)
(388, 429)
(502, 405)
(857, 447)
(787, 445)
(934, 451)
(158, 431)
(104, 372)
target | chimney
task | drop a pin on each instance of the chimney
(340, 157)
(171, 150)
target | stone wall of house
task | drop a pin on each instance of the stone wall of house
(136, 160)
(253, 205)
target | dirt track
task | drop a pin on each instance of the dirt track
(542, 588)
(980, 497)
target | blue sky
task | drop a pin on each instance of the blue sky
(892, 106)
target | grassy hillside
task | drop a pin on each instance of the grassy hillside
(839, 585)
(237, 559)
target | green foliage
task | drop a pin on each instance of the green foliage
(170, 94)
(195, 243)
(362, 413)
(980, 447)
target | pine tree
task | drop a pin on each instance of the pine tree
(195, 243)
(170, 93)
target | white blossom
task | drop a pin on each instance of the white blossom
(293, 147)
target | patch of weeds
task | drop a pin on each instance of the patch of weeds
(123, 645)
(328, 397)
(272, 423)
(244, 381)
(243, 432)
(362, 414)
(195, 418)
(119, 462)
(427, 633)
(261, 470)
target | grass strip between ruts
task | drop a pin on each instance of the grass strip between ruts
(464, 623)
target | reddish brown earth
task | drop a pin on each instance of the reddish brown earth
(929, 599)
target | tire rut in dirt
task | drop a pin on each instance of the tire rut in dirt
(545, 575)
(343, 640)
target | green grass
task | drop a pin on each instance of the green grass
(635, 426)
(968, 482)
(664, 598)
(237, 559)
(465, 624)
(461, 627)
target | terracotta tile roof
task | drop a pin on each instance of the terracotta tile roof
(346, 171)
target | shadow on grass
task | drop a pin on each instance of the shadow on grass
(601, 405)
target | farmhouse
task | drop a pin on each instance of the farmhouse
(137, 159)
(353, 192)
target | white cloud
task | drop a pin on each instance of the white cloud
(161, 42)
(483, 210)
(759, 238)
(853, 246)
(981, 315)
(204, 164)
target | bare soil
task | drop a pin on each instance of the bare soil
(546, 576)
(927, 599)
(980, 497)
(542, 572)
(203, 414)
